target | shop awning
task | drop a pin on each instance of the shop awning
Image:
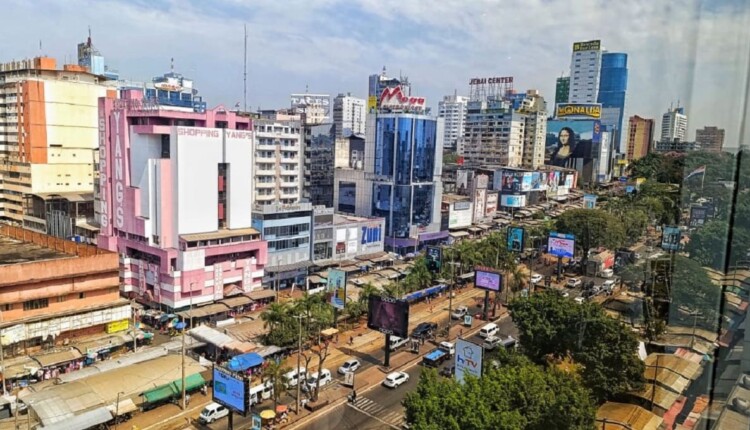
(466, 276)
(240, 346)
(95, 346)
(261, 294)
(289, 267)
(329, 332)
(382, 259)
(315, 279)
(126, 406)
(160, 393)
(372, 256)
(192, 382)
(19, 367)
(475, 229)
(350, 269)
(236, 301)
(388, 273)
(457, 234)
(210, 335)
(59, 357)
(83, 421)
(245, 361)
(204, 311)
(268, 350)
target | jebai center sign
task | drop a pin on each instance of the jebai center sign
(394, 98)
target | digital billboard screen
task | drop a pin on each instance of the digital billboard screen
(337, 287)
(670, 239)
(230, 390)
(515, 239)
(561, 245)
(698, 215)
(488, 279)
(388, 315)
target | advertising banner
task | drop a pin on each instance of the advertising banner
(468, 359)
(698, 216)
(561, 245)
(491, 206)
(526, 181)
(480, 198)
(589, 45)
(515, 239)
(513, 201)
(486, 278)
(230, 391)
(337, 287)
(116, 326)
(434, 256)
(589, 201)
(388, 315)
(578, 111)
(511, 181)
(538, 181)
(670, 239)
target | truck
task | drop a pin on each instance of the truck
(435, 357)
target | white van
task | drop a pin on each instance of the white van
(397, 342)
(607, 273)
(292, 378)
(261, 392)
(212, 412)
(488, 330)
(312, 380)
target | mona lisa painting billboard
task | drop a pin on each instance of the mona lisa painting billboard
(571, 140)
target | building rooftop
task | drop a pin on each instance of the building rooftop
(340, 219)
(452, 198)
(14, 251)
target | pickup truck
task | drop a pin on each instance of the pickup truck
(435, 357)
(447, 347)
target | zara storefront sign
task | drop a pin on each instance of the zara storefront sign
(394, 98)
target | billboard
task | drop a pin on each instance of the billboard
(388, 315)
(589, 201)
(698, 215)
(337, 287)
(571, 141)
(491, 206)
(515, 239)
(578, 111)
(468, 359)
(538, 181)
(480, 198)
(513, 201)
(488, 279)
(434, 256)
(670, 239)
(394, 98)
(561, 245)
(589, 45)
(230, 390)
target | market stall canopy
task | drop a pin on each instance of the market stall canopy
(236, 301)
(329, 332)
(261, 294)
(204, 311)
(210, 335)
(633, 416)
(268, 414)
(83, 421)
(126, 406)
(244, 362)
(58, 357)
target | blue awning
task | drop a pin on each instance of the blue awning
(426, 292)
(245, 361)
(180, 325)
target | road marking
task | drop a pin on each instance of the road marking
(370, 408)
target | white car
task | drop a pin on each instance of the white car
(394, 379)
(312, 380)
(351, 365)
(574, 282)
(459, 312)
(536, 278)
(579, 300)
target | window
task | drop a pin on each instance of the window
(35, 304)
(7, 307)
(60, 299)
(81, 295)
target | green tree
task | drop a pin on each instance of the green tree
(708, 245)
(551, 326)
(592, 228)
(695, 298)
(516, 395)
(450, 158)
(274, 372)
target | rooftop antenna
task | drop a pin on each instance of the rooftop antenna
(171, 64)
(244, 75)
(383, 74)
(89, 39)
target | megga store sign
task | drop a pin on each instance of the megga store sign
(580, 110)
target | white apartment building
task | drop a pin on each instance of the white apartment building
(534, 110)
(278, 161)
(674, 125)
(493, 134)
(348, 115)
(585, 68)
(453, 110)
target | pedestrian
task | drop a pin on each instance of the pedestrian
(351, 340)
(204, 390)
(354, 396)
(187, 399)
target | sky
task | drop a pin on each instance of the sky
(692, 51)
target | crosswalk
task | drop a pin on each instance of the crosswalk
(378, 412)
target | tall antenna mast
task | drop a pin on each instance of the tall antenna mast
(245, 74)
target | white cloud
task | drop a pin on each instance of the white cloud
(686, 49)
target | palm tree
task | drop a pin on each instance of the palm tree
(275, 315)
(274, 372)
(393, 290)
(364, 295)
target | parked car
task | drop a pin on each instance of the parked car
(493, 342)
(212, 412)
(350, 365)
(397, 342)
(579, 300)
(536, 278)
(312, 380)
(459, 312)
(424, 329)
(608, 285)
(574, 282)
(607, 273)
(448, 371)
(394, 379)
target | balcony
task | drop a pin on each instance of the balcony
(265, 147)
(271, 160)
(265, 197)
(265, 185)
(266, 172)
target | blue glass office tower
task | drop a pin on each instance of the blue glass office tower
(613, 84)
(407, 191)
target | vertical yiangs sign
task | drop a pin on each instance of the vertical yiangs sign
(119, 171)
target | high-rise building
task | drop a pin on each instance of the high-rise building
(453, 111)
(176, 201)
(640, 137)
(278, 172)
(313, 109)
(93, 60)
(534, 111)
(710, 138)
(493, 134)
(378, 83)
(348, 115)
(613, 85)
(319, 165)
(585, 71)
(674, 125)
(562, 89)
(48, 145)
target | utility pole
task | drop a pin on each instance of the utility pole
(2, 360)
(117, 409)
(299, 355)
(132, 313)
(184, 333)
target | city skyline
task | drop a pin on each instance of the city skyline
(676, 51)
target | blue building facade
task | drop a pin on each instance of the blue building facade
(407, 192)
(613, 86)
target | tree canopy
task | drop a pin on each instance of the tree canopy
(515, 395)
(592, 228)
(552, 327)
(695, 298)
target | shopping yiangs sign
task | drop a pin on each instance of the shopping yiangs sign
(468, 359)
(394, 98)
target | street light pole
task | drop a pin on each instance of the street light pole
(117, 408)
(299, 355)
